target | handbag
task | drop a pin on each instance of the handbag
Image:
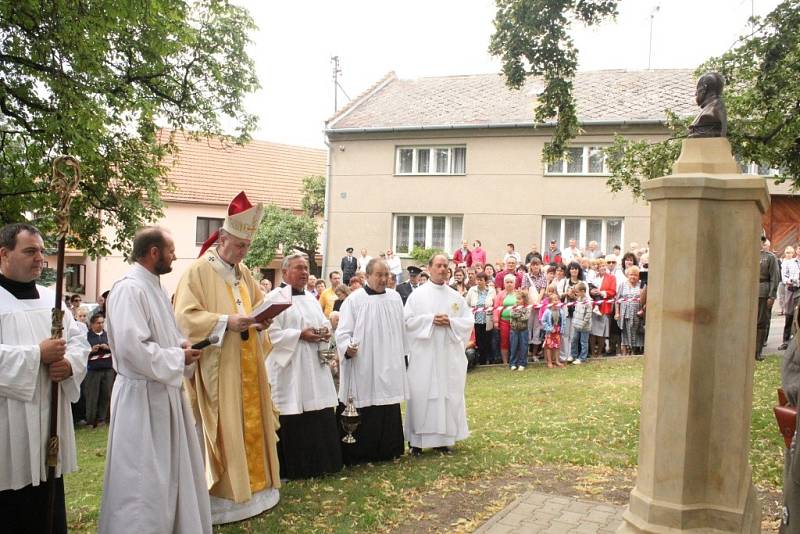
(489, 322)
(787, 418)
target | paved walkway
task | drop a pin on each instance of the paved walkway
(553, 514)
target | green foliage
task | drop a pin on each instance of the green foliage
(280, 228)
(91, 80)
(313, 202)
(762, 73)
(532, 38)
(423, 255)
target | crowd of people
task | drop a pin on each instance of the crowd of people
(562, 306)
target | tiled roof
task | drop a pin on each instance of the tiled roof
(484, 99)
(212, 173)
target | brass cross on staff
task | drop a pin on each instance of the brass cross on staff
(65, 185)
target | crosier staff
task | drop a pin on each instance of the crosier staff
(65, 185)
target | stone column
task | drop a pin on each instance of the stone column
(705, 225)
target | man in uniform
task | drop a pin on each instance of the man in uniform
(229, 390)
(29, 362)
(349, 265)
(411, 284)
(769, 276)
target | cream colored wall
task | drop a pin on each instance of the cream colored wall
(503, 196)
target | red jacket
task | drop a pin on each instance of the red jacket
(548, 258)
(459, 257)
(609, 285)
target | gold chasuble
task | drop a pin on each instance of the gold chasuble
(229, 391)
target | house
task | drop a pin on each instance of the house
(206, 176)
(428, 162)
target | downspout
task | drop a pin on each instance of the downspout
(326, 211)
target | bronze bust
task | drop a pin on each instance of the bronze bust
(713, 119)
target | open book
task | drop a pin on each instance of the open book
(274, 303)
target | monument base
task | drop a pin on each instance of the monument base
(670, 518)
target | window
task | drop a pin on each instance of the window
(607, 232)
(581, 160)
(205, 227)
(431, 160)
(75, 277)
(427, 231)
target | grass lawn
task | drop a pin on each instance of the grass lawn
(552, 420)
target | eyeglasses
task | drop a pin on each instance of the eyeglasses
(611, 263)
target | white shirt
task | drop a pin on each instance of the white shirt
(25, 389)
(300, 383)
(152, 433)
(436, 414)
(362, 262)
(514, 255)
(376, 376)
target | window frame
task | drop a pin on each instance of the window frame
(75, 272)
(448, 231)
(208, 231)
(586, 154)
(563, 242)
(432, 151)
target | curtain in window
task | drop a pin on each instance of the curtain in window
(552, 230)
(423, 160)
(613, 234)
(595, 159)
(575, 160)
(438, 231)
(406, 161)
(460, 162)
(420, 224)
(456, 233)
(594, 231)
(442, 158)
(402, 223)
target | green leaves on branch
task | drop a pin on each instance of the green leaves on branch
(532, 39)
(98, 81)
(281, 229)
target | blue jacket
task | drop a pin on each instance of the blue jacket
(547, 319)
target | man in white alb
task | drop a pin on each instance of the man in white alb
(438, 325)
(155, 477)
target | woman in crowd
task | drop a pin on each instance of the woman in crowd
(536, 282)
(459, 281)
(605, 289)
(628, 260)
(342, 292)
(790, 278)
(395, 266)
(502, 313)
(566, 292)
(479, 296)
(81, 314)
(628, 312)
(490, 274)
(320, 287)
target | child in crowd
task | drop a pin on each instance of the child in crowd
(519, 331)
(581, 324)
(552, 319)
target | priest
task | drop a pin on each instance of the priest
(152, 435)
(29, 362)
(229, 390)
(370, 340)
(302, 386)
(438, 326)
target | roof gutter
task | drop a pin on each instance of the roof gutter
(490, 126)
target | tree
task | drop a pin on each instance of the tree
(762, 92)
(282, 229)
(97, 80)
(531, 37)
(762, 95)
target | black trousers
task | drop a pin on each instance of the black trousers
(379, 436)
(484, 341)
(308, 444)
(24, 511)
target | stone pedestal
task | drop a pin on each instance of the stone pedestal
(705, 225)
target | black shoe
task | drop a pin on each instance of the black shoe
(783, 346)
(759, 357)
(444, 450)
(415, 452)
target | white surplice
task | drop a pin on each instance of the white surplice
(299, 382)
(436, 415)
(376, 376)
(154, 478)
(25, 390)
